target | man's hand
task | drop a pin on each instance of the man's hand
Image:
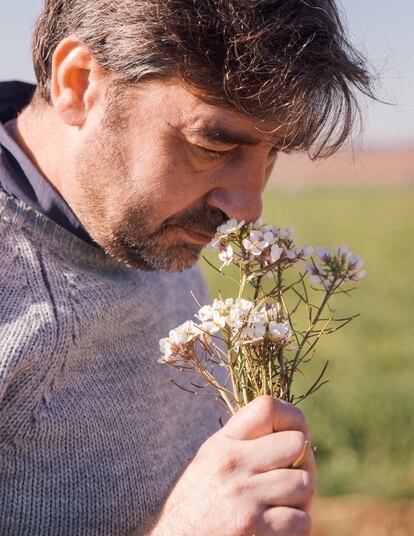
(241, 481)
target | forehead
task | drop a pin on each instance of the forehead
(175, 104)
(213, 120)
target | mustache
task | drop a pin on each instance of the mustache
(205, 220)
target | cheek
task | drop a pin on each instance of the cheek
(169, 182)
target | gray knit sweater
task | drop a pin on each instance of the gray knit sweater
(92, 433)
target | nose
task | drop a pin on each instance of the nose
(239, 204)
(239, 194)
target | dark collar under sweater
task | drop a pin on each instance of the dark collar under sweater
(18, 174)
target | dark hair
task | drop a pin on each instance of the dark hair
(287, 60)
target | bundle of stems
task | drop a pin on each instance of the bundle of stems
(264, 335)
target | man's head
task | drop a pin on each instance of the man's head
(173, 111)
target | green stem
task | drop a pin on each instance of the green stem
(233, 381)
(257, 288)
(264, 380)
(242, 285)
(307, 335)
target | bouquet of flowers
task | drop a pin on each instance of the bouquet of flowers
(265, 334)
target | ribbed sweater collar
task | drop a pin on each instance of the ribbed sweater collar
(49, 234)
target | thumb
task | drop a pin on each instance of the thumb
(264, 415)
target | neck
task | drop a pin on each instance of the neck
(41, 136)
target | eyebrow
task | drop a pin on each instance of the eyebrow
(216, 133)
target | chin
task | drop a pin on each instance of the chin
(174, 259)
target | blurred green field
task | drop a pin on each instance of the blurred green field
(362, 421)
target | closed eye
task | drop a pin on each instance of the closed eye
(210, 153)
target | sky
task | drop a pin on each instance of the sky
(382, 29)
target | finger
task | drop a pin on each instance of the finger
(282, 521)
(293, 488)
(277, 451)
(264, 415)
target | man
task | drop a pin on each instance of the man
(153, 122)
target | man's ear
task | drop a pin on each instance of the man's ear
(75, 81)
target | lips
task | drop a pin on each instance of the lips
(197, 236)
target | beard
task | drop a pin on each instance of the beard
(134, 244)
(121, 223)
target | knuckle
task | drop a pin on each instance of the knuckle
(297, 441)
(242, 488)
(295, 416)
(307, 483)
(221, 456)
(266, 405)
(288, 522)
(299, 523)
(228, 462)
(300, 417)
(249, 520)
(304, 524)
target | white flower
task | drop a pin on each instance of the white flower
(214, 244)
(324, 254)
(299, 254)
(275, 252)
(205, 313)
(253, 332)
(166, 348)
(258, 224)
(173, 347)
(225, 233)
(343, 252)
(245, 306)
(231, 227)
(358, 275)
(337, 265)
(183, 333)
(226, 256)
(259, 315)
(235, 320)
(355, 263)
(316, 273)
(256, 330)
(271, 229)
(215, 323)
(223, 306)
(286, 233)
(256, 243)
(257, 323)
(214, 317)
(291, 254)
(239, 313)
(279, 331)
(304, 252)
(269, 237)
(267, 313)
(314, 269)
